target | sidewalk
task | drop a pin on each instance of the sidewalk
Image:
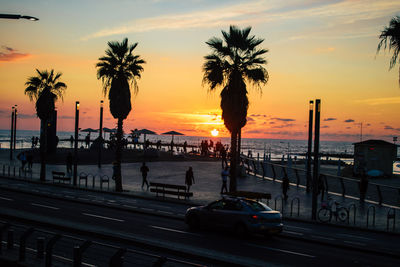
(208, 184)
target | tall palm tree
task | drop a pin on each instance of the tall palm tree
(44, 88)
(391, 34)
(235, 60)
(116, 69)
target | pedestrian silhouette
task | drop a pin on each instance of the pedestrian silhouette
(321, 187)
(189, 179)
(144, 170)
(224, 176)
(285, 187)
(69, 162)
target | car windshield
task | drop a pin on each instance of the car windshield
(257, 206)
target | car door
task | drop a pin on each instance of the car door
(211, 215)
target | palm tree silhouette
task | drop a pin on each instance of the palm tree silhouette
(44, 89)
(233, 61)
(116, 70)
(391, 34)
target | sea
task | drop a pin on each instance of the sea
(273, 148)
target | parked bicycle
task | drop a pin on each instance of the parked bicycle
(330, 209)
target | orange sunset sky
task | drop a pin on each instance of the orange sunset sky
(317, 49)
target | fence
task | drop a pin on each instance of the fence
(37, 247)
(381, 194)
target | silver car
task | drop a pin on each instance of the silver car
(238, 214)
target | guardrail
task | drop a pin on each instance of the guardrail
(33, 250)
(382, 194)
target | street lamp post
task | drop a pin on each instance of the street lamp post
(76, 143)
(101, 132)
(12, 133)
(310, 125)
(15, 126)
(14, 16)
(316, 160)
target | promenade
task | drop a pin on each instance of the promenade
(208, 184)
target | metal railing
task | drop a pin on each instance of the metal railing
(66, 249)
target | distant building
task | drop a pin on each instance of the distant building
(376, 155)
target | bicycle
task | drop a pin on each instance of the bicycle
(334, 208)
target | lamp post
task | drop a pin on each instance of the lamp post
(12, 133)
(14, 16)
(76, 143)
(316, 160)
(101, 132)
(15, 126)
(310, 125)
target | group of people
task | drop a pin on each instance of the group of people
(25, 158)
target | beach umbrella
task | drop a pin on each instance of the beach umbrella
(173, 133)
(144, 132)
(89, 130)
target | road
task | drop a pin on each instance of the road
(172, 233)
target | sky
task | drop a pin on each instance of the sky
(318, 49)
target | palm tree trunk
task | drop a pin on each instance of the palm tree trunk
(233, 172)
(118, 154)
(43, 148)
(239, 142)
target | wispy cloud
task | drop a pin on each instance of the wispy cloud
(255, 12)
(283, 119)
(380, 101)
(10, 54)
(349, 120)
(330, 119)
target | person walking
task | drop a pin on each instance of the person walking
(22, 157)
(144, 170)
(363, 187)
(224, 159)
(189, 179)
(285, 187)
(69, 162)
(224, 176)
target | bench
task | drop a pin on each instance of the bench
(251, 195)
(60, 177)
(83, 176)
(170, 189)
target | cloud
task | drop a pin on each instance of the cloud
(324, 50)
(26, 116)
(325, 126)
(380, 101)
(258, 115)
(283, 126)
(261, 11)
(10, 54)
(66, 117)
(349, 120)
(249, 119)
(348, 127)
(387, 127)
(283, 119)
(330, 119)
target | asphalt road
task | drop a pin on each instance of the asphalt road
(174, 234)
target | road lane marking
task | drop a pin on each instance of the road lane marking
(296, 227)
(161, 206)
(355, 243)
(128, 206)
(323, 237)
(45, 206)
(147, 209)
(8, 199)
(167, 212)
(282, 250)
(355, 236)
(290, 232)
(103, 217)
(172, 230)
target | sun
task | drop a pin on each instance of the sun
(214, 132)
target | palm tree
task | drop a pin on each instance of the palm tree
(235, 60)
(44, 89)
(116, 69)
(391, 34)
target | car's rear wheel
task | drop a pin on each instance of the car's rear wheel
(193, 222)
(240, 230)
